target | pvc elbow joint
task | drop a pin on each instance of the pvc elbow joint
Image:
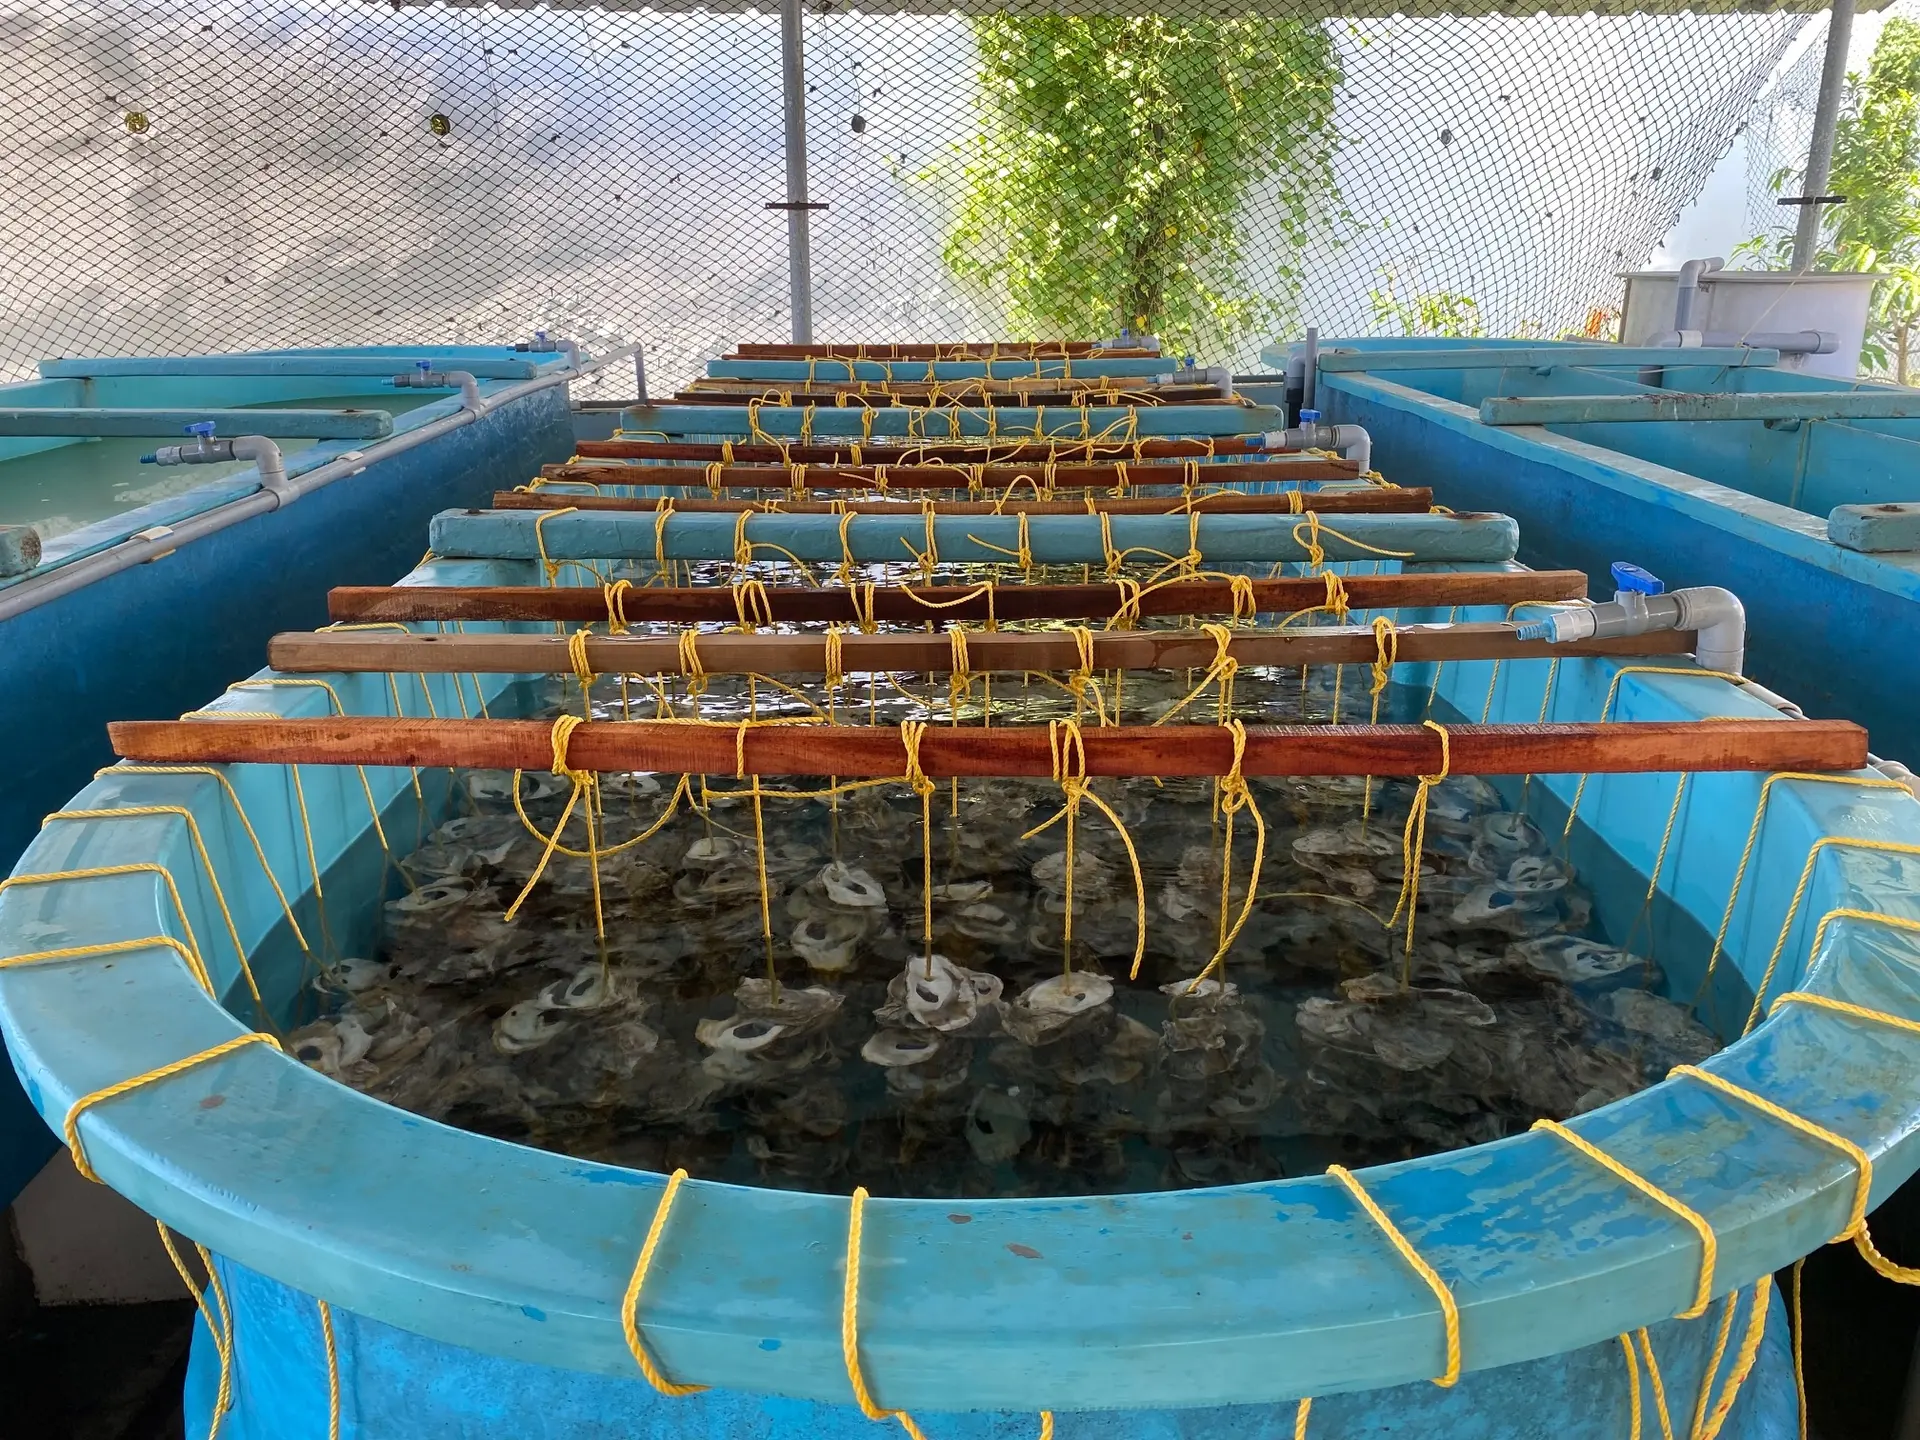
(425, 378)
(1715, 615)
(1719, 621)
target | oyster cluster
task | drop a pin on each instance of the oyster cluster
(776, 1012)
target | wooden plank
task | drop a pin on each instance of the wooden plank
(859, 751)
(801, 604)
(1291, 502)
(355, 651)
(981, 349)
(1067, 476)
(892, 395)
(812, 424)
(900, 451)
(918, 387)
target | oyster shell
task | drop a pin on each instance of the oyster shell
(828, 942)
(997, 1125)
(1044, 1012)
(900, 1047)
(852, 887)
(526, 1026)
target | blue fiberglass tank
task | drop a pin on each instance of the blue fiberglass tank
(1764, 507)
(477, 1288)
(157, 638)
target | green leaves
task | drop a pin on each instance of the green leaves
(1115, 155)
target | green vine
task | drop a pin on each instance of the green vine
(1116, 156)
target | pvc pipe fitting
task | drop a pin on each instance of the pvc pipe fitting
(1686, 292)
(1716, 616)
(424, 377)
(1351, 442)
(1787, 342)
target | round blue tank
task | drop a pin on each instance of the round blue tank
(477, 1288)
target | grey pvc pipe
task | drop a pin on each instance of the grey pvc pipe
(1686, 291)
(1784, 342)
(38, 590)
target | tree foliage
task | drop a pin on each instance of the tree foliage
(1438, 312)
(1876, 165)
(1108, 181)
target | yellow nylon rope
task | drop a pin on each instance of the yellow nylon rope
(1449, 1311)
(1837, 842)
(615, 595)
(71, 1125)
(1709, 1244)
(1743, 1362)
(1413, 843)
(911, 734)
(850, 1323)
(222, 1338)
(585, 782)
(551, 568)
(1753, 836)
(1069, 758)
(1633, 1388)
(1235, 797)
(333, 1370)
(246, 824)
(1655, 1384)
(630, 1302)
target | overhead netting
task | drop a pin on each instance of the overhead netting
(207, 176)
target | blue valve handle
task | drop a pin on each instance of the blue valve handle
(202, 428)
(1635, 581)
(1309, 417)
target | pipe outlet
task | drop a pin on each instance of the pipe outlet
(1640, 606)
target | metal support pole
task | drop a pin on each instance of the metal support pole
(793, 80)
(1826, 118)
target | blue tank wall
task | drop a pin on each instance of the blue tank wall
(159, 639)
(1818, 629)
(399, 1386)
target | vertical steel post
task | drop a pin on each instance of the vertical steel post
(793, 80)
(1826, 118)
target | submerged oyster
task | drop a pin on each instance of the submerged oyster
(852, 887)
(828, 942)
(997, 1125)
(1045, 1012)
(526, 1026)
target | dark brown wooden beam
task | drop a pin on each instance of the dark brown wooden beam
(924, 396)
(976, 350)
(858, 751)
(356, 651)
(1346, 502)
(957, 391)
(1027, 476)
(915, 451)
(912, 605)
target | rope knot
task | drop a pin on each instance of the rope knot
(616, 598)
(911, 734)
(562, 734)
